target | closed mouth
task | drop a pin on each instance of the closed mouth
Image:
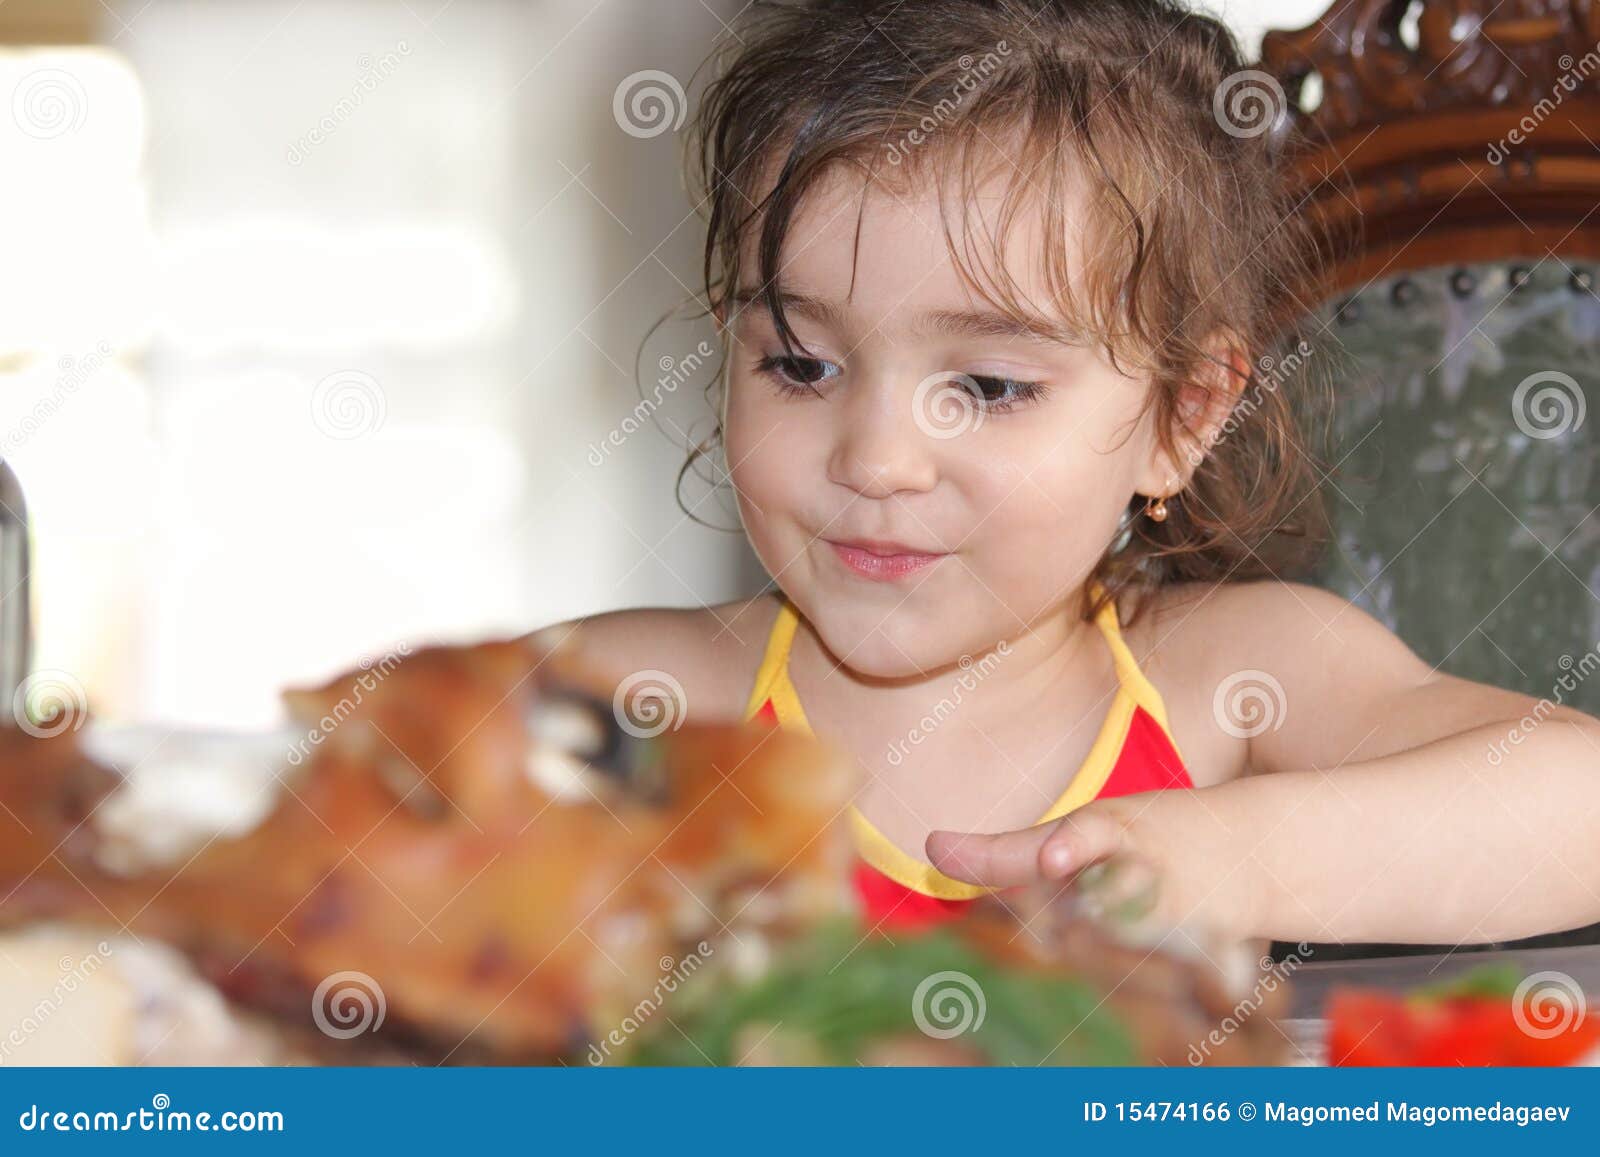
(881, 560)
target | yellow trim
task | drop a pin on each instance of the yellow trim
(1133, 690)
(772, 677)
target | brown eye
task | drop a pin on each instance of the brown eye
(796, 375)
(996, 395)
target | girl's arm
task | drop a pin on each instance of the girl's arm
(1466, 813)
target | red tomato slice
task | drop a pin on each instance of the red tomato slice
(1370, 1027)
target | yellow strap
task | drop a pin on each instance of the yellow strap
(775, 663)
(1133, 690)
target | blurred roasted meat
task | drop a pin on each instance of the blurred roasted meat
(494, 853)
(500, 847)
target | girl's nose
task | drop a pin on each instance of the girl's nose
(879, 448)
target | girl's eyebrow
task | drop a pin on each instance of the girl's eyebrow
(938, 322)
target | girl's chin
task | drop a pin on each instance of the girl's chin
(873, 649)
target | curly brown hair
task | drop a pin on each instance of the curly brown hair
(1191, 229)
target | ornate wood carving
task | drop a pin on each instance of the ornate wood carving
(1448, 130)
(1468, 54)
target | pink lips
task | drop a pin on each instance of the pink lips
(882, 561)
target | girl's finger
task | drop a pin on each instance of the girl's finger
(1080, 840)
(1050, 851)
(997, 861)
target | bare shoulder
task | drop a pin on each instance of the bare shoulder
(1201, 644)
(712, 651)
(1218, 628)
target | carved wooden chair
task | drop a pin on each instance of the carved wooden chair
(1457, 167)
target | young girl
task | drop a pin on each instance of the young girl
(1000, 283)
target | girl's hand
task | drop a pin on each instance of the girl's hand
(1057, 850)
(1169, 859)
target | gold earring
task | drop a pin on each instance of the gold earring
(1155, 509)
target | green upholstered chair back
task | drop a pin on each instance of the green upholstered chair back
(1465, 496)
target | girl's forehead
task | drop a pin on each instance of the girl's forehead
(879, 248)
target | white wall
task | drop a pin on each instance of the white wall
(314, 314)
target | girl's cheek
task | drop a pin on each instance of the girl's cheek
(764, 466)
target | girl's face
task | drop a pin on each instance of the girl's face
(920, 423)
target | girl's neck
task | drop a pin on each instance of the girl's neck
(1047, 665)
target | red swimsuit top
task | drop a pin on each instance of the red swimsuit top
(1133, 752)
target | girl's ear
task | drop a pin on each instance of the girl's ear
(1203, 410)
